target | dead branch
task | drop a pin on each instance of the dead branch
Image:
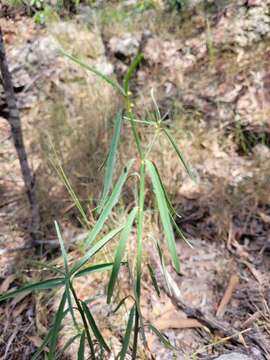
(16, 130)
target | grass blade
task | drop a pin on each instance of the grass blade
(95, 248)
(112, 201)
(180, 232)
(55, 282)
(163, 267)
(154, 279)
(111, 159)
(140, 220)
(45, 341)
(120, 304)
(63, 177)
(164, 214)
(162, 338)
(66, 346)
(169, 204)
(120, 252)
(110, 81)
(157, 112)
(94, 268)
(67, 284)
(126, 341)
(41, 285)
(81, 347)
(62, 246)
(56, 328)
(132, 68)
(94, 327)
(180, 155)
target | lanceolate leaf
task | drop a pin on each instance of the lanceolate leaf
(120, 252)
(112, 201)
(46, 340)
(56, 328)
(180, 155)
(66, 346)
(153, 278)
(126, 341)
(164, 214)
(95, 248)
(169, 204)
(94, 327)
(111, 159)
(135, 63)
(42, 285)
(81, 347)
(55, 282)
(110, 81)
(162, 338)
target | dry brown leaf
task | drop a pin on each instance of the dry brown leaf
(174, 323)
(37, 341)
(18, 298)
(234, 281)
(7, 282)
(265, 218)
(19, 309)
(257, 275)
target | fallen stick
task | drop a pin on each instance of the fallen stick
(14, 121)
(234, 281)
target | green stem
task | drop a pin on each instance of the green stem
(84, 322)
(134, 128)
(139, 258)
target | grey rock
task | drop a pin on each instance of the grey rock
(127, 45)
(234, 356)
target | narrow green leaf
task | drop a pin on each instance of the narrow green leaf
(157, 112)
(180, 232)
(162, 338)
(94, 268)
(41, 285)
(120, 304)
(66, 346)
(55, 282)
(94, 327)
(46, 340)
(180, 155)
(132, 68)
(42, 346)
(56, 328)
(169, 204)
(46, 266)
(111, 159)
(112, 201)
(153, 278)
(62, 246)
(64, 254)
(163, 267)
(120, 252)
(140, 221)
(164, 214)
(95, 248)
(127, 334)
(110, 81)
(81, 347)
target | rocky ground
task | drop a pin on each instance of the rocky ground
(209, 69)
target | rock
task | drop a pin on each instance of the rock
(234, 356)
(261, 152)
(126, 46)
